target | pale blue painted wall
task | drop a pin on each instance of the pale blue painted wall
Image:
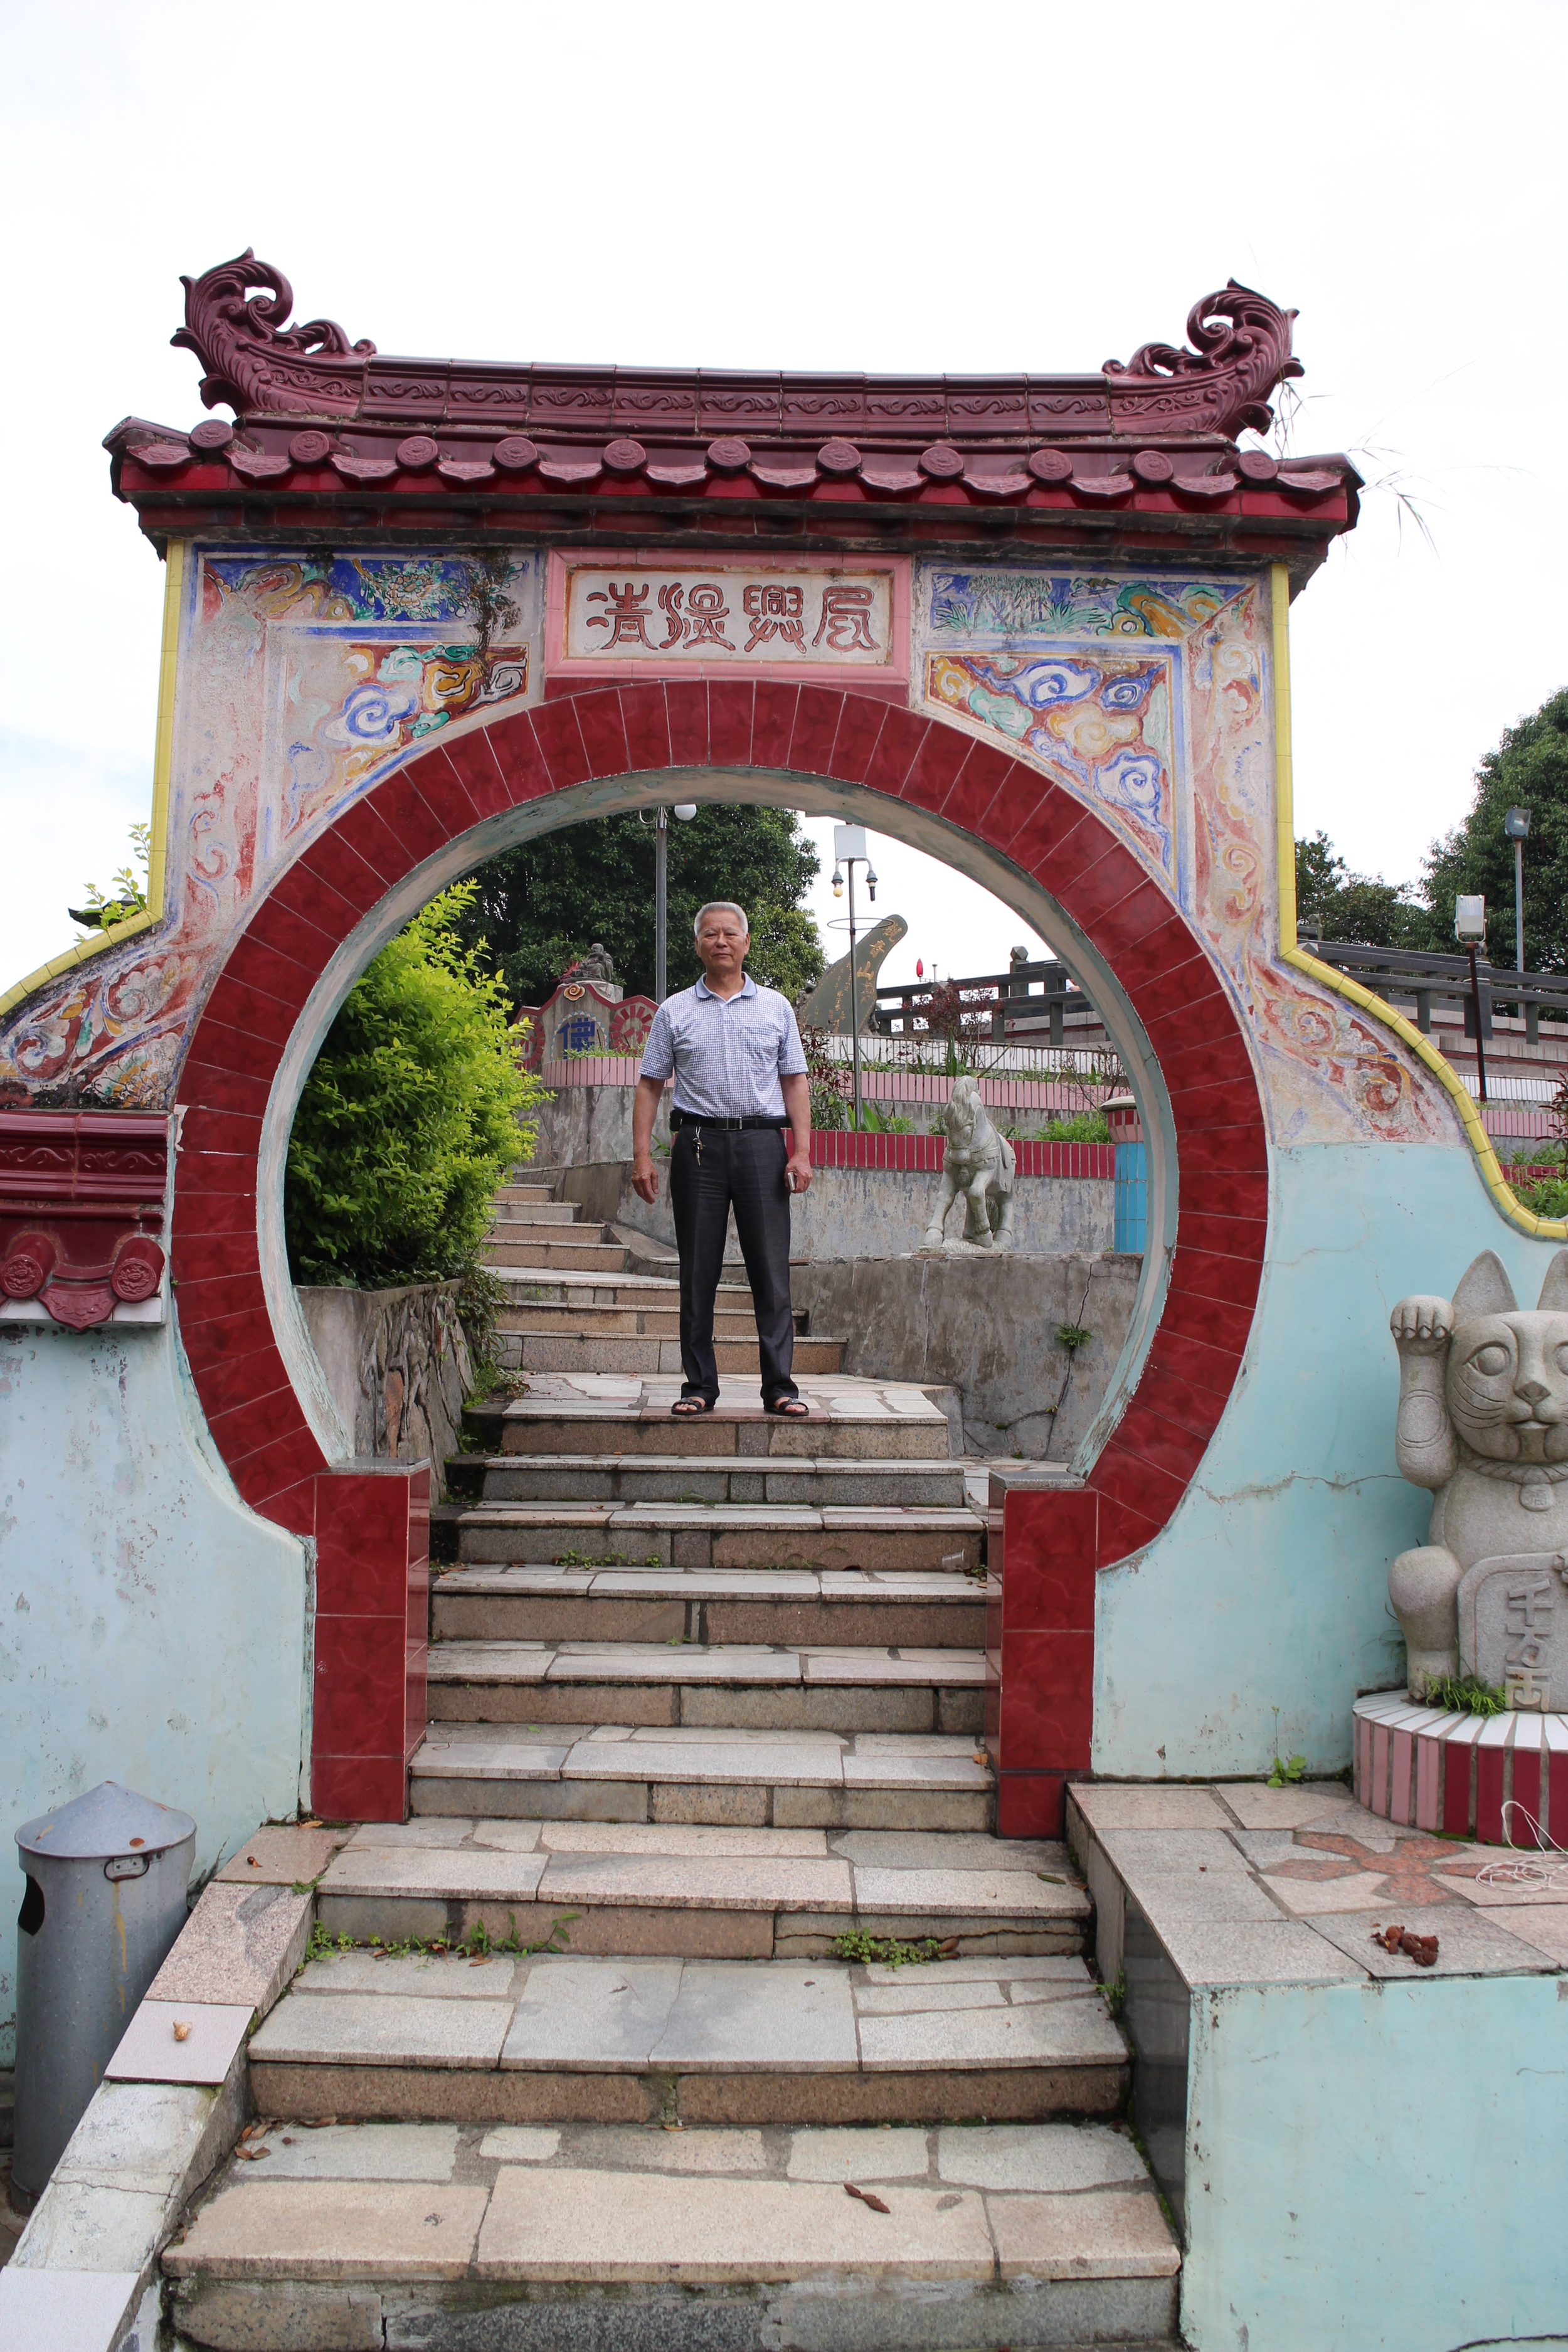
(1377, 2168)
(153, 1630)
(1269, 1588)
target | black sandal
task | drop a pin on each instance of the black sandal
(788, 1408)
(687, 1408)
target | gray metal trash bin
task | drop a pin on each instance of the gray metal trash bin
(105, 1899)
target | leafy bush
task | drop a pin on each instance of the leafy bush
(1084, 1127)
(883, 1122)
(410, 1116)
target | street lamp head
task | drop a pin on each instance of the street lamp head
(871, 882)
(684, 810)
(1516, 825)
(837, 883)
(1470, 919)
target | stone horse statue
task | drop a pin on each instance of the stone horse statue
(979, 1164)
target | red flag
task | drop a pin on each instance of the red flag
(920, 969)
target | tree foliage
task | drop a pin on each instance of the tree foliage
(410, 1116)
(1349, 906)
(1527, 769)
(541, 905)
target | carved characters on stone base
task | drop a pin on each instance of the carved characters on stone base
(978, 1166)
(1483, 1420)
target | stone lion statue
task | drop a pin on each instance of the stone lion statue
(1483, 1420)
(979, 1165)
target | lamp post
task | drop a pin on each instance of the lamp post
(1470, 930)
(849, 850)
(685, 812)
(1516, 826)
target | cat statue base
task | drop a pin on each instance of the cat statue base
(1483, 1422)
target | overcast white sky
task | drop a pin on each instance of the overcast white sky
(861, 185)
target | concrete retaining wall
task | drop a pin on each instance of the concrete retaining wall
(985, 1326)
(397, 1364)
(853, 1212)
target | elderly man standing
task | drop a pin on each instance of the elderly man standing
(740, 1078)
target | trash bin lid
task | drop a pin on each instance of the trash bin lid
(106, 1822)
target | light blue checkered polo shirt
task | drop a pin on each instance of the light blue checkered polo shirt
(727, 1053)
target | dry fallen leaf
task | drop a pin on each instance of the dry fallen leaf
(181, 2032)
(252, 2155)
(252, 1862)
(865, 2197)
(482, 1963)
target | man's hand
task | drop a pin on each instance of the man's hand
(797, 1092)
(645, 1109)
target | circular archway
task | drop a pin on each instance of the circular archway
(583, 754)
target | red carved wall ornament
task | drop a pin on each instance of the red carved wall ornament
(82, 1211)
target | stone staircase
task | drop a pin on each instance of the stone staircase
(698, 1917)
(585, 1301)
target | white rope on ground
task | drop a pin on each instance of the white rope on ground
(1549, 1876)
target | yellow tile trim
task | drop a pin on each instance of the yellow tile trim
(1504, 1200)
(81, 951)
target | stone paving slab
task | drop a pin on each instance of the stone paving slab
(696, 1881)
(384, 2030)
(240, 1944)
(179, 2042)
(283, 1855)
(787, 2016)
(359, 2152)
(65, 2311)
(443, 1872)
(1037, 2034)
(1039, 2158)
(1469, 1942)
(635, 2226)
(1106, 2234)
(333, 2229)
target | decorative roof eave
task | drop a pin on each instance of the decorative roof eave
(260, 366)
(333, 436)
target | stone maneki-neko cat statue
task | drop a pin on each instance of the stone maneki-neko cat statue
(1483, 1420)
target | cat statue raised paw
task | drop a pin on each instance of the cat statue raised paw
(1483, 1420)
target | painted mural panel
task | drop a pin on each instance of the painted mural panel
(1148, 695)
(301, 680)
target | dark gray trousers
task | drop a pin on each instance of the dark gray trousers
(742, 1168)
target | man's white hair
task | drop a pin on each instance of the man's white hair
(720, 907)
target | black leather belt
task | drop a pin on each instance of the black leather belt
(723, 1125)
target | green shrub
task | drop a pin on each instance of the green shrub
(410, 1117)
(883, 1122)
(1084, 1127)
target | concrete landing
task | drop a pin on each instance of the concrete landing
(557, 2239)
(703, 1774)
(1309, 2098)
(699, 1891)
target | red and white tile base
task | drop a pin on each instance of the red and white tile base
(1430, 1769)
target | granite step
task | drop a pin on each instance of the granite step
(655, 1319)
(531, 1351)
(511, 1217)
(561, 1248)
(521, 1194)
(529, 2234)
(692, 1891)
(560, 1286)
(695, 1478)
(702, 1775)
(922, 1609)
(847, 1423)
(730, 1686)
(721, 1535)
